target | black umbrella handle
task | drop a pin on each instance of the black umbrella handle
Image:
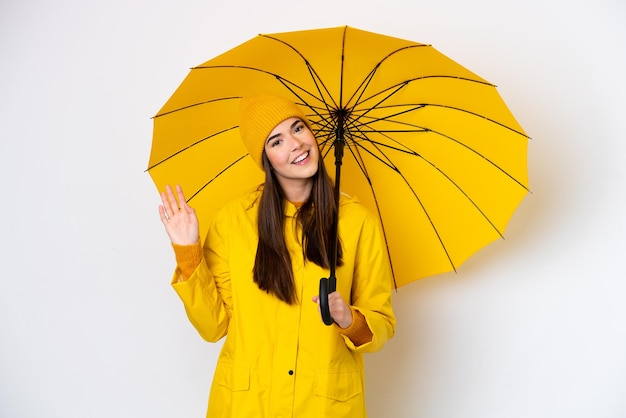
(327, 286)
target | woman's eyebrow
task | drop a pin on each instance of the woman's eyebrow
(273, 137)
(293, 125)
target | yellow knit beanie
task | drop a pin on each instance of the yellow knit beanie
(258, 116)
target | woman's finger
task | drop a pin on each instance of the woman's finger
(170, 203)
(182, 202)
(162, 215)
(172, 199)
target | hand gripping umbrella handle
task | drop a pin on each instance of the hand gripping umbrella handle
(327, 286)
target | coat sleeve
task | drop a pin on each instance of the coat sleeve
(207, 295)
(371, 287)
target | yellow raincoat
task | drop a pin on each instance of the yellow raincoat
(280, 360)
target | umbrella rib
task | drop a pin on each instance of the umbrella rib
(314, 109)
(361, 165)
(317, 80)
(426, 77)
(285, 82)
(502, 170)
(418, 106)
(477, 115)
(417, 128)
(194, 105)
(416, 154)
(365, 173)
(207, 67)
(388, 163)
(225, 169)
(360, 90)
(397, 87)
(392, 90)
(364, 137)
(188, 147)
(314, 75)
(460, 189)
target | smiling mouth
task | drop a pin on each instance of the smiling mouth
(300, 158)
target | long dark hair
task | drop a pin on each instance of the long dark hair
(272, 267)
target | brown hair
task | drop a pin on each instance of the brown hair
(273, 272)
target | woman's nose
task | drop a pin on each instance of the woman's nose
(295, 143)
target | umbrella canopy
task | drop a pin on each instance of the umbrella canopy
(428, 145)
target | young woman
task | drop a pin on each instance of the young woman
(256, 279)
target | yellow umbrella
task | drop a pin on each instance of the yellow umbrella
(427, 144)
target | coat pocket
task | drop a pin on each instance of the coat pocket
(230, 376)
(338, 385)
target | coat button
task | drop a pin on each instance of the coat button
(290, 372)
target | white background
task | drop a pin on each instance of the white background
(532, 326)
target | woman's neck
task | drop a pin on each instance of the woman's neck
(297, 191)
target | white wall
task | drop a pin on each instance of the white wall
(532, 326)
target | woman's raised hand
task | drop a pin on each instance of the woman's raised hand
(179, 219)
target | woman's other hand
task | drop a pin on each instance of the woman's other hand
(339, 309)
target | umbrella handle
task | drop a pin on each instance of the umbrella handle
(327, 286)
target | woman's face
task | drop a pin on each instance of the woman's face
(292, 151)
